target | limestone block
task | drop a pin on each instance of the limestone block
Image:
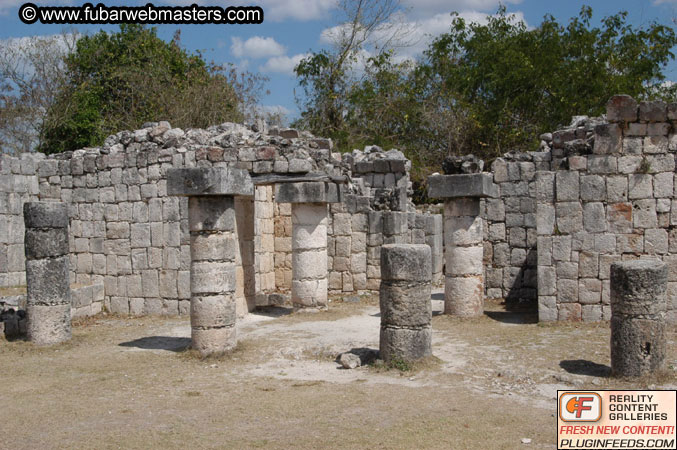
(464, 296)
(593, 188)
(663, 185)
(405, 304)
(653, 111)
(463, 230)
(48, 281)
(45, 215)
(48, 324)
(547, 308)
(309, 214)
(209, 181)
(569, 312)
(307, 192)
(309, 265)
(212, 311)
(463, 185)
(309, 293)
(46, 243)
(405, 344)
(213, 341)
(594, 217)
(622, 108)
(656, 241)
(569, 217)
(639, 287)
(567, 291)
(644, 214)
(602, 164)
(617, 188)
(567, 185)
(211, 213)
(638, 346)
(589, 291)
(406, 262)
(547, 281)
(213, 246)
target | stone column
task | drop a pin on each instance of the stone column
(309, 239)
(213, 249)
(47, 277)
(463, 239)
(406, 309)
(638, 310)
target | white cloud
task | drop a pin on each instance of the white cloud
(274, 10)
(426, 8)
(278, 10)
(415, 35)
(256, 47)
(283, 64)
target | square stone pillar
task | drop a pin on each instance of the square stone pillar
(463, 239)
(213, 250)
(309, 239)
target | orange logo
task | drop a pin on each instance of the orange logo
(580, 407)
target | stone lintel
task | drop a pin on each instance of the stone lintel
(209, 181)
(462, 185)
(307, 192)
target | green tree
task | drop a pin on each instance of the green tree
(519, 82)
(121, 80)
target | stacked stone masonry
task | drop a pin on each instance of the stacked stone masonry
(128, 237)
(598, 191)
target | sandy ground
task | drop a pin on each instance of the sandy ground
(130, 383)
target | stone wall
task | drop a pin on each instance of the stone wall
(127, 235)
(18, 184)
(615, 203)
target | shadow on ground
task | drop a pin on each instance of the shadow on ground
(170, 343)
(584, 367)
(513, 317)
(272, 311)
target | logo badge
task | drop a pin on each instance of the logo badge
(580, 407)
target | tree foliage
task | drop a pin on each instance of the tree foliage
(490, 88)
(121, 80)
(32, 71)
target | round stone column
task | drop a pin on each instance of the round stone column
(406, 308)
(464, 258)
(463, 239)
(212, 273)
(213, 249)
(309, 239)
(47, 276)
(638, 310)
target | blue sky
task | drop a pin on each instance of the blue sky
(292, 28)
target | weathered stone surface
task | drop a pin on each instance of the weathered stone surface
(404, 344)
(212, 277)
(48, 324)
(46, 243)
(465, 185)
(213, 341)
(406, 262)
(405, 304)
(212, 311)
(45, 215)
(622, 108)
(464, 296)
(464, 260)
(48, 281)
(638, 288)
(209, 181)
(638, 346)
(211, 213)
(309, 293)
(307, 192)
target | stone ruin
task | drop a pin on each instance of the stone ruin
(539, 227)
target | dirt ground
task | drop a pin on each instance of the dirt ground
(131, 383)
